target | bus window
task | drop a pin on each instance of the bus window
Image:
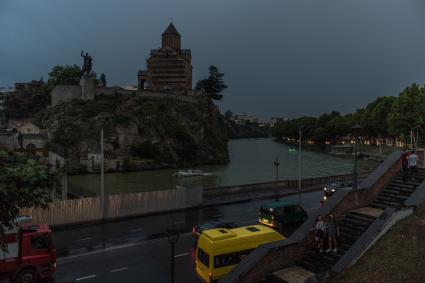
(230, 258)
(203, 257)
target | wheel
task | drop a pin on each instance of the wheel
(27, 276)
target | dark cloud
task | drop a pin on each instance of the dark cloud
(284, 58)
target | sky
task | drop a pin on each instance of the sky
(283, 58)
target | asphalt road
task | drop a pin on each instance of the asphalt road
(138, 251)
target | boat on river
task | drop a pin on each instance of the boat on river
(190, 173)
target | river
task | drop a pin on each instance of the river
(251, 161)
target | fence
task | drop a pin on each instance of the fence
(89, 209)
(270, 186)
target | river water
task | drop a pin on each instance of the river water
(251, 161)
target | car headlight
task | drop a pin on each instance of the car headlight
(325, 198)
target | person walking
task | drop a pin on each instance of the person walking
(333, 233)
(413, 162)
(405, 164)
(319, 231)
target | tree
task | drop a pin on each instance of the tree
(213, 85)
(64, 75)
(103, 80)
(24, 183)
(228, 114)
(408, 111)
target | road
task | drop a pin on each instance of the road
(137, 250)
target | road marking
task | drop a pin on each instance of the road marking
(119, 269)
(65, 259)
(84, 239)
(180, 255)
(136, 230)
(87, 277)
(98, 251)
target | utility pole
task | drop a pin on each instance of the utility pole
(276, 165)
(299, 168)
(102, 177)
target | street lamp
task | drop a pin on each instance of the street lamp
(173, 238)
(355, 130)
(276, 165)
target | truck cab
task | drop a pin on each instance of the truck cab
(30, 255)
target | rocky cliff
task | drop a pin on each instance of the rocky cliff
(141, 131)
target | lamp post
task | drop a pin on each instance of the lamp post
(173, 238)
(299, 167)
(355, 130)
(276, 165)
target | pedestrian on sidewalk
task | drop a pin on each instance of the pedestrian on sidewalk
(319, 231)
(333, 233)
(405, 164)
(413, 162)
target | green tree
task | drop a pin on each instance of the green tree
(228, 114)
(64, 75)
(102, 80)
(408, 111)
(213, 85)
(24, 183)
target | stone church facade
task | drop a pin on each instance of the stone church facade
(169, 67)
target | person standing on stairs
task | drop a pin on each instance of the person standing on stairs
(319, 231)
(405, 164)
(413, 161)
(333, 233)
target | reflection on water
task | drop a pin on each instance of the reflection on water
(251, 162)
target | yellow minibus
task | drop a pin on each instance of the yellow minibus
(220, 250)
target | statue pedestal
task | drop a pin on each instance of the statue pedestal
(87, 88)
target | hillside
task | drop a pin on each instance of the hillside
(143, 131)
(397, 257)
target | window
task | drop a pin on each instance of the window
(203, 257)
(40, 242)
(230, 258)
(252, 229)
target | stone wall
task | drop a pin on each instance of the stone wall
(62, 93)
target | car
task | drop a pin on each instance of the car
(279, 213)
(331, 188)
(197, 230)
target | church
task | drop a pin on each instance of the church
(169, 68)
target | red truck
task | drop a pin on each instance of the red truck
(30, 255)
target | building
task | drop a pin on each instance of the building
(244, 118)
(169, 67)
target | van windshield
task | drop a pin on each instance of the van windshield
(266, 211)
(203, 257)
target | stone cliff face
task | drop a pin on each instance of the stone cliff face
(140, 131)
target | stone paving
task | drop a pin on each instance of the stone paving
(294, 274)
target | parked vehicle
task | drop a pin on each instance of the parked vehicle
(30, 255)
(330, 189)
(197, 230)
(277, 214)
(220, 250)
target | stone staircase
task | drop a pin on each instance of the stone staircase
(315, 265)
(398, 191)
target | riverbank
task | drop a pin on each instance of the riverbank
(251, 161)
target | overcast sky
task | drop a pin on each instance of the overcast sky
(280, 57)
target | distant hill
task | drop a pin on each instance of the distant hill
(144, 132)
